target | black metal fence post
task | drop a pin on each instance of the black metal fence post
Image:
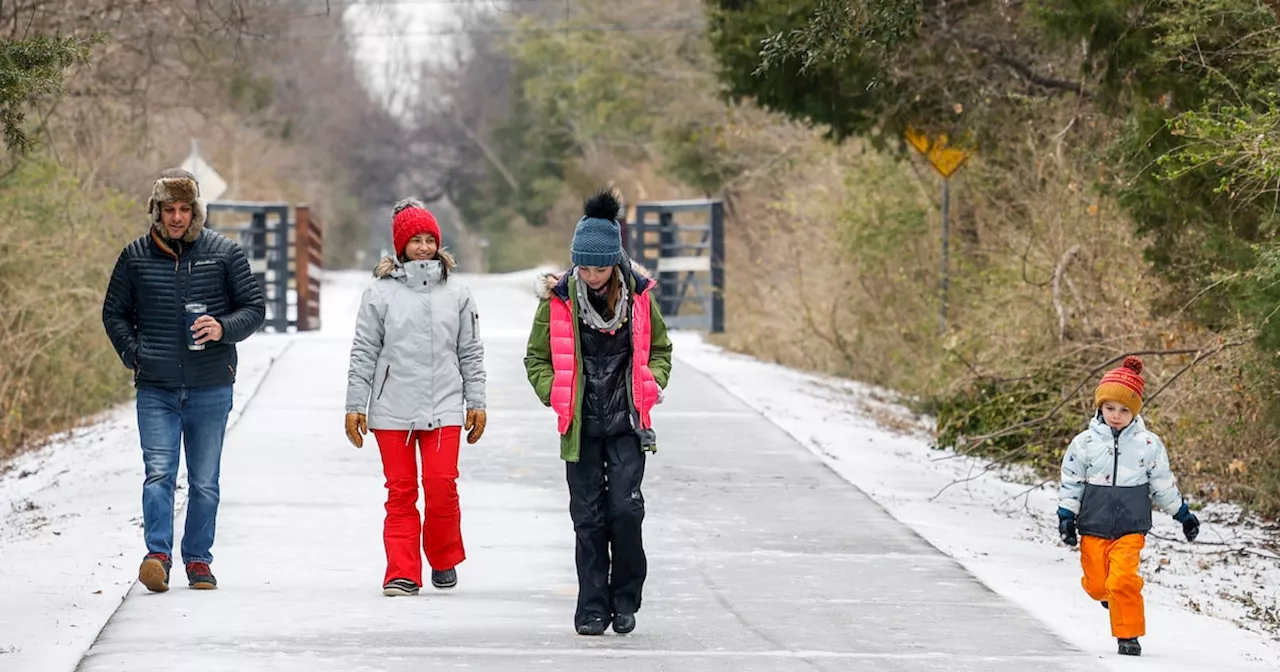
(717, 267)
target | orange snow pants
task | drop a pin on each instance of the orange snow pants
(1111, 574)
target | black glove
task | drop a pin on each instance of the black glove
(1067, 526)
(1190, 524)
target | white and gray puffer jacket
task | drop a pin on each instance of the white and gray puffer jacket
(1110, 479)
(417, 356)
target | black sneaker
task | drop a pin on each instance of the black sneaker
(400, 588)
(1129, 647)
(154, 572)
(200, 577)
(444, 579)
(624, 623)
(592, 628)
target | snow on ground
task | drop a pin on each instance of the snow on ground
(71, 528)
(70, 520)
(1213, 604)
(71, 511)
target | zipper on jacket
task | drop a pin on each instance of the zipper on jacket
(1115, 462)
(383, 388)
(184, 353)
(1115, 478)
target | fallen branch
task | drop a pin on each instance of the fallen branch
(999, 460)
(979, 440)
(991, 464)
(1199, 358)
(1024, 70)
(1227, 547)
(1027, 493)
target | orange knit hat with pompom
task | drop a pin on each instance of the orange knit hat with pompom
(1122, 385)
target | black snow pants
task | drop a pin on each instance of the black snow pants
(607, 511)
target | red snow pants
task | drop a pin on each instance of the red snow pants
(438, 533)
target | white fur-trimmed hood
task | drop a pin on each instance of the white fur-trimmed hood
(388, 264)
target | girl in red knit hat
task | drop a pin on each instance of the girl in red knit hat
(1112, 473)
(417, 379)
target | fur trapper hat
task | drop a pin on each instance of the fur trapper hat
(178, 185)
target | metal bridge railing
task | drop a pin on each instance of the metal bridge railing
(286, 266)
(684, 242)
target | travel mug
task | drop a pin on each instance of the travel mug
(193, 311)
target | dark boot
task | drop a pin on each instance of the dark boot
(624, 623)
(445, 578)
(1129, 647)
(1106, 605)
(593, 628)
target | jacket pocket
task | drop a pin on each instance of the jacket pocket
(138, 350)
(383, 387)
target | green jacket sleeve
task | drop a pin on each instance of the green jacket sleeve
(537, 358)
(659, 346)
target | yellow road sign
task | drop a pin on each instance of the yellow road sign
(918, 140)
(944, 159)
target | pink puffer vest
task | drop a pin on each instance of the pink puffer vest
(564, 360)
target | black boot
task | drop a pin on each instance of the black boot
(624, 623)
(1129, 647)
(593, 628)
(1106, 605)
(445, 578)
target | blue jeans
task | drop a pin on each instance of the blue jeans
(168, 419)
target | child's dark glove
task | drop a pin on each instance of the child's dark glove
(1067, 526)
(1190, 524)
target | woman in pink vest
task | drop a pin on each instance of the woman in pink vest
(599, 355)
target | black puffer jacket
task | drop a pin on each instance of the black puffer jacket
(143, 316)
(606, 397)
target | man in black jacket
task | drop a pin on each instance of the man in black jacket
(183, 385)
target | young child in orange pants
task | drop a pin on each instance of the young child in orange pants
(1111, 474)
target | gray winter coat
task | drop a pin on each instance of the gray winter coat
(417, 356)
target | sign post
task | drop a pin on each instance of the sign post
(946, 160)
(212, 186)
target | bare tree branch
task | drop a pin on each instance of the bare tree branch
(488, 152)
(1058, 274)
(970, 445)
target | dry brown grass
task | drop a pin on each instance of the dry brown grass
(58, 243)
(66, 212)
(833, 266)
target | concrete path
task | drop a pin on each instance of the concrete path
(760, 557)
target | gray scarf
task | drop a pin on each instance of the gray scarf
(588, 313)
